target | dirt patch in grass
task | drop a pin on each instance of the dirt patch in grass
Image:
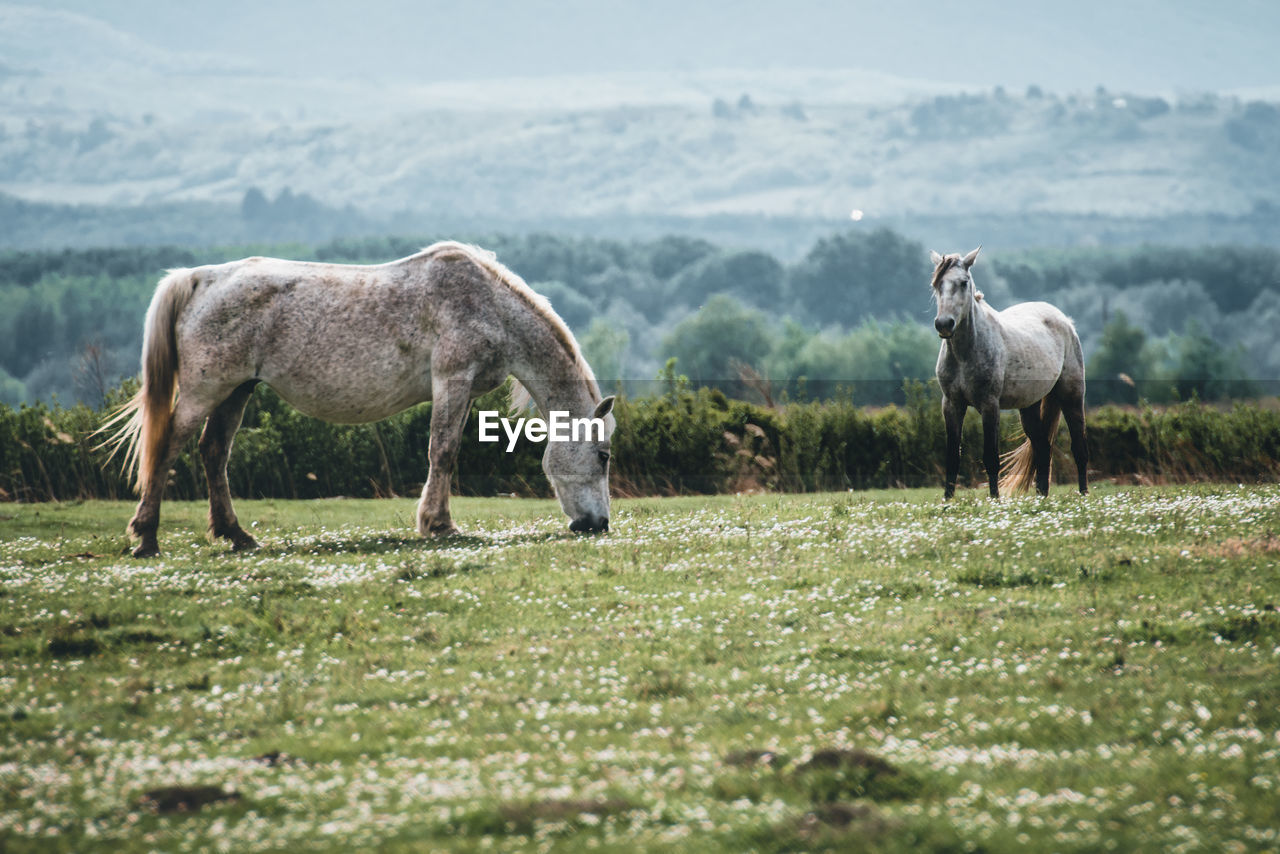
(847, 759)
(74, 647)
(1238, 629)
(831, 776)
(1233, 547)
(181, 799)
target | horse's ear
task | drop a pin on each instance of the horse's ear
(968, 260)
(603, 407)
(935, 257)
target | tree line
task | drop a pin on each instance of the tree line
(851, 318)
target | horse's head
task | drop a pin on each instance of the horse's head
(953, 290)
(579, 472)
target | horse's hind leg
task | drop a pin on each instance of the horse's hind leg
(146, 519)
(1073, 412)
(1036, 431)
(215, 448)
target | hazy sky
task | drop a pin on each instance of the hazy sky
(1136, 44)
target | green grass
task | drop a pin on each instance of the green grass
(770, 673)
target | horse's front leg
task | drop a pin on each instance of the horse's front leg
(991, 445)
(451, 400)
(953, 416)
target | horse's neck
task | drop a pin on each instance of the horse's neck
(552, 377)
(976, 334)
(563, 394)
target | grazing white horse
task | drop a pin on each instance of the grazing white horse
(1027, 357)
(354, 344)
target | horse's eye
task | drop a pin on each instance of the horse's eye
(604, 458)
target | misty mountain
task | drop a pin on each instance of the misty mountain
(1112, 154)
(93, 114)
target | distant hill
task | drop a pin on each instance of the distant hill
(129, 123)
(1107, 153)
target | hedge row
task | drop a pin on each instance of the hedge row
(679, 442)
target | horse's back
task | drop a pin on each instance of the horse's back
(340, 342)
(1041, 347)
(1036, 326)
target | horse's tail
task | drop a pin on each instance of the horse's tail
(142, 426)
(1018, 467)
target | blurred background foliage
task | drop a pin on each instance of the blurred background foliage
(851, 317)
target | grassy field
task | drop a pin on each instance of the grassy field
(874, 671)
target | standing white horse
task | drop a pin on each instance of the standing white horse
(1027, 357)
(354, 344)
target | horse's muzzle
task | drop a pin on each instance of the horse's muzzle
(590, 525)
(945, 326)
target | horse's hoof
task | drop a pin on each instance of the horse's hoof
(147, 550)
(245, 543)
(449, 530)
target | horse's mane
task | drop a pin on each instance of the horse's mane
(520, 398)
(947, 262)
